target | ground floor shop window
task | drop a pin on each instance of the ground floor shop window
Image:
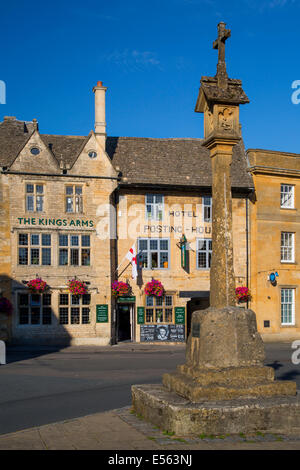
(74, 309)
(34, 309)
(287, 306)
(159, 309)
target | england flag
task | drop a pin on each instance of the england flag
(131, 256)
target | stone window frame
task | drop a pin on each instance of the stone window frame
(284, 248)
(159, 306)
(71, 247)
(207, 251)
(291, 302)
(37, 197)
(149, 251)
(206, 208)
(76, 197)
(283, 192)
(156, 207)
(29, 246)
(74, 310)
(37, 304)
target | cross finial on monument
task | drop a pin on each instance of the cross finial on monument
(219, 44)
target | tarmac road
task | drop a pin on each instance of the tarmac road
(40, 386)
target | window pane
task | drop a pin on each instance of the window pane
(85, 240)
(159, 314)
(24, 316)
(69, 204)
(29, 188)
(46, 320)
(86, 299)
(74, 240)
(153, 244)
(75, 300)
(63, 299)
(74, 257)
(35, 315)
(78, 189)
(46, 256)
(75, 316)
(85, 257)
(63, 240)
(35, 256)
(63, 257)
(23, 299)
(149, 198)
(63, 315)
(30, 203)
(39, 203)
(164, 244)
(69, 190)
(46, 299)
(78, 204)
(168, 315)
(149, 301)
(149, 315)
(39, 189)
(164, 260)
(23, 256)
(23, 239)
(85, 315)
(143, 245)
(154, 260)
(46, 240)
(35, 239)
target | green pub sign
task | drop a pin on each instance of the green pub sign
(180, 315)
(102, 313)
(141, 315)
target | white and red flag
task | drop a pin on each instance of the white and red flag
(131, 256)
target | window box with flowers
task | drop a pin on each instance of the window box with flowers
(242, 294)
(37, 286)
(120, 289)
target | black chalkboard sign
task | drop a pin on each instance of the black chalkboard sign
(162, 333)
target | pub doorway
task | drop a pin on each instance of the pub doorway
(125, 316)
(197, 303)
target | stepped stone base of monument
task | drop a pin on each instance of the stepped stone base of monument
(171, 412)
(223, 387)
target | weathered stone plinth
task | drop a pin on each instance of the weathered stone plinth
(224, 386)
(224, 360)
(173, 413)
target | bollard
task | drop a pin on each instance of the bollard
(2, 353)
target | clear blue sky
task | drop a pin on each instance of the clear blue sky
(151, 56)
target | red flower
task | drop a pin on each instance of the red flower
(37, 286)
(120, 288)
(154, 288)
(77, 287)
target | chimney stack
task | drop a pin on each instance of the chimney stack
(100, 124)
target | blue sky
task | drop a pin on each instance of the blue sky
(151, 56)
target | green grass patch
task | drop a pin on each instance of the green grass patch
(168, 433)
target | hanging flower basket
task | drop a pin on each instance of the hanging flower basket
(154, 288)
(120, 288)
(5, 306)
(242, 294)
(77, 287)
(37, 286)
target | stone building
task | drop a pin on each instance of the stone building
(72, 206)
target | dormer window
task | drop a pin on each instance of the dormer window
(35, 151)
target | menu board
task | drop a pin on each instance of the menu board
(162, 333)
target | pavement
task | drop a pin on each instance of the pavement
(121, 430)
